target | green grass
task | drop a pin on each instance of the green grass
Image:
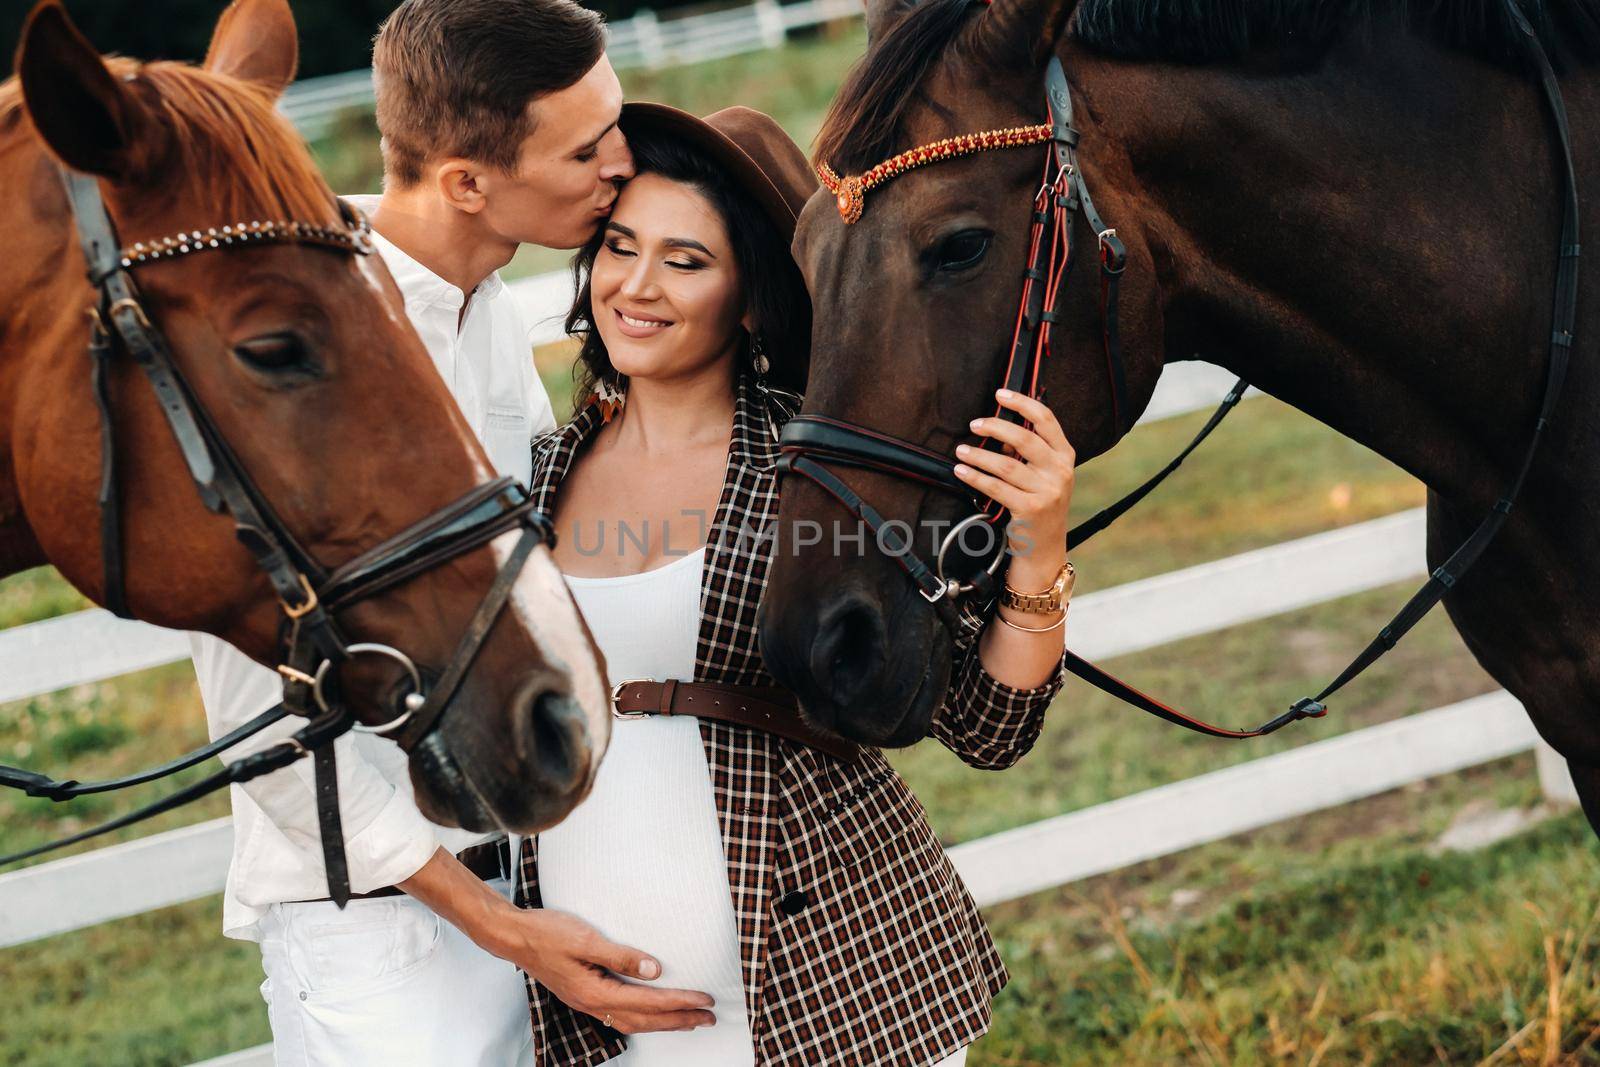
(1359, 950)
(1268, 474)
(164, 988)
(37, 594)
(104, 730)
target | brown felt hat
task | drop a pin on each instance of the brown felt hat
(760, 157)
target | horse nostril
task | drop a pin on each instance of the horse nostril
(847, 653)
(560, 757)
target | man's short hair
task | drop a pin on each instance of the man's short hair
(455, 77)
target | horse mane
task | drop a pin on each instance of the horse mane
(1223, 31)
(866, 121)
(231, 154)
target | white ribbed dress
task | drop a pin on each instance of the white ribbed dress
(641, 858)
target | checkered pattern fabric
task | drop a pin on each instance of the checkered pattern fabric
(859, 942)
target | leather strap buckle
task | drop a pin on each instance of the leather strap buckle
(616, 695)
(300, 611)
(129, 304)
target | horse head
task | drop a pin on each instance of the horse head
(300, 354)
(918, 297)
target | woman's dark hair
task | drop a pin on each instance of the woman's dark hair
(774, 290)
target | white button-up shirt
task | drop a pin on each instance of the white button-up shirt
(486, 359)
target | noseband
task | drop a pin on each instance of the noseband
(311, 644)
(1062, 195)
(810, 440)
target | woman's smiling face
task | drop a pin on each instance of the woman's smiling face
(665, 289)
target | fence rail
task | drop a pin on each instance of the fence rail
(643, 41)
(183, 865)
(190, 863)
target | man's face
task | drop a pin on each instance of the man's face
(567, 173)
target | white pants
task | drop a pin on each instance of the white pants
(389, 982)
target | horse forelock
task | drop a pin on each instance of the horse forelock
(230, 157)
(868, 118)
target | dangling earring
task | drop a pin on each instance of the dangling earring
(760, 364)
(758, 359)
(609, 397)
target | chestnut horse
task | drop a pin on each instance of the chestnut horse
(1354, 206)
(303, 358)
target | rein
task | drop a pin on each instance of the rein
(1059, 200)
(311, 644)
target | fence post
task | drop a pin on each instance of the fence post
(769, 17)
(1555, 780)
(651, 46)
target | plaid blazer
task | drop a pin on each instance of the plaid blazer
(859, 942)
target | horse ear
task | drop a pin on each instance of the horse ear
(255, 41)
(1027, 29)
(83, 113)
(881, 14)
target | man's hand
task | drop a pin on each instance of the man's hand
(571, 959)
(562, 952)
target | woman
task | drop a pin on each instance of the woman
(791, 878)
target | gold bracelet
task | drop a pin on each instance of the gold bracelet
(1035, 630)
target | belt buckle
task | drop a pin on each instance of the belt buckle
(616, 694)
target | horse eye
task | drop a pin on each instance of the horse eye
(278, 351)
(963, 251)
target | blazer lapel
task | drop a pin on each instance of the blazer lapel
(553, 454)
(744, 764)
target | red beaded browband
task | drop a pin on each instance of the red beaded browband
(357, 239)
(852, 192)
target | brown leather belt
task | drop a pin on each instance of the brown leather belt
(763, 707)
(488, 860)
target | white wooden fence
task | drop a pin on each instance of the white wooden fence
(645, 40)
(189, 863)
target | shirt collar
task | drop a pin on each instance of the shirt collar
(419, 284)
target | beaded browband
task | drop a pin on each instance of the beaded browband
(356, 238)
(852, 192)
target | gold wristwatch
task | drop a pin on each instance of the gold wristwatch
(1052, 599)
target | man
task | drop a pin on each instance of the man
(499, 125)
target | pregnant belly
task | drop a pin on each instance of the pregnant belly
(641, 859)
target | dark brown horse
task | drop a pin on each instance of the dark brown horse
(1353, 205)
(305, 361)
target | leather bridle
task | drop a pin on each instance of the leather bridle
(311, 643)
(810, 439)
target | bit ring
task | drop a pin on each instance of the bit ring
(413, 700)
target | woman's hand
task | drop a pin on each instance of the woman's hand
(560, 951)
(1032, 478)
(580, 967)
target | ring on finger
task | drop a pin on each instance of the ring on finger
(607, 1019)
